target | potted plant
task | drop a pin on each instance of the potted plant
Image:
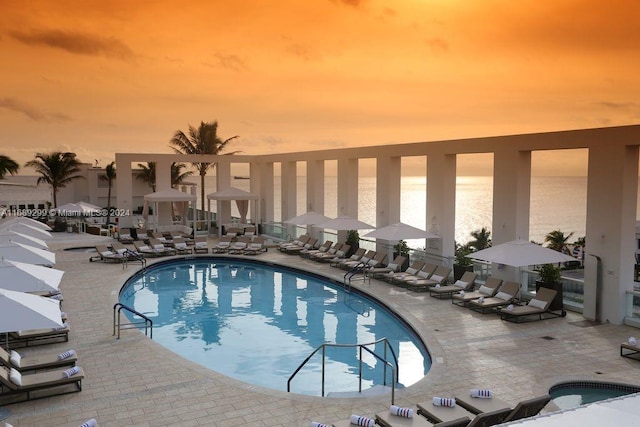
(401, 248)
(550, 277)
(462, 262)
(353, 240)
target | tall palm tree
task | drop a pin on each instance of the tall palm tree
(148, 174)
(8, 166)
(482, 239)
(557, 240)
(109, 176)
(56, 169)
(201, 140)
(177, 174)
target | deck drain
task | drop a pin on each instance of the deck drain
(547, 337)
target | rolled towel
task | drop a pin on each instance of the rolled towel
(437, 286)
(359, 420)
(65, 325)
(633, 341)
(481, 300)
(67, 354)
(481, 393)
(68, 373)
(401, 412)
(317, 424)
(510, 307)
(57, 297)
(444, 401)
(89, 423)
(461, 293)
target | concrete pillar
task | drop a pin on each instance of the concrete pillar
(163, 182)
(347, 190)
(388, 193)
(124, 189)
(315, 192)
(289, 201)
(262, 184)
(441, 203)
(223, 180)
(612, 194)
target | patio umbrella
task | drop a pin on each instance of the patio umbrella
(28, 254)
(23, 277)
(13, 236)
(520, 253)
(344, 223)
(27, 230)
(400, 231)
(77, 209)
(28, 221)
(309, 218)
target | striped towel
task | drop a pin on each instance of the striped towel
(633, 341)
(444, 401)
(71, 372)
(317, 424)
(401, 412)
(359, 420)
(89, 423)
(65, 325)
(67, 354)
(481, 393)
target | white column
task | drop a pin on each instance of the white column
(163, 182)
(347, 190)
(124, 189)
(289, 180)
(315, 191)
(263, 186)
(441, 203)
(612, 194)
(223, 180)
(388, 193)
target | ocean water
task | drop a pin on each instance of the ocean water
(557, 203)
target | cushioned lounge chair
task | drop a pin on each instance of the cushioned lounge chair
(466, 283)
(161, 247)
(439, 414)
(358, 254)
(295, 250)
(30, 386)
(256, 246)
(107, 255)
(300, 241)
(506, 295)
(223, 245)
(331, 252)
(364, 259)
(386, 419)
(536, 309)
(630, 351)
(240, 245)
(528, 408)
(146, 250)
(488, 289)
(38, 336)
(307, 253)
(201, 245)
(32, 363)
(439, 277)
(393, 267)
(411, 270)
(423, 274)
(181, 247)
(338, 256)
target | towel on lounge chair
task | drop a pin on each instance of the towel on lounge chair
(401, 412)
(444, 401)
(633, 341)
(359, 420)
(68, 373)
(317, 424)
(67, 354)
(481, 393)
(89, 423)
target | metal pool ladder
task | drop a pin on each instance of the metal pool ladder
(117, 326)
(362, 347)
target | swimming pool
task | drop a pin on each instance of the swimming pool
(571, 394)
(257, 323)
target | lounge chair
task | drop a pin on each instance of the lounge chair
(359, 253)
(364, 259)
(489, 289)
(506, 295)
(537, 308)
(32, 363)
(393, 267)
(438, 278)
(181, 247)
(161, 247)
(439, 414)
(423, 274)
(125, 238)
(307, 253)
(630, 350)
(107, 255)
(300, 241)
(38, 336)
(223, 245)
(240, 245)
(255, 247)
(411, 270)
(331, 252)
(15, 384)
(201, 245)
(387, 419)
(295, 250)
(466, 283)
(528, 408)
(146, 250)
(339, 255)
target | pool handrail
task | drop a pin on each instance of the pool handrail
(117, 326)
(361, 347)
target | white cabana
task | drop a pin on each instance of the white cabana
(23, 277)
(520, 253)
(170, 195)
(232, 193)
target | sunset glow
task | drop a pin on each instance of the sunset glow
(100, 77)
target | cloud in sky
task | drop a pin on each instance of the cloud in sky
(30, 111)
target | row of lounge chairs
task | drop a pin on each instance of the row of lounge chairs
(458, 412)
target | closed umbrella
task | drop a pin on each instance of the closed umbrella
(28, 254)
(23, 277)
(309, 218)
(520, 253)
(400, 231)
(344, 223)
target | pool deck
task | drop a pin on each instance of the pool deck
(134, 381)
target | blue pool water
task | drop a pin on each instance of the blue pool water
(257, 323)
(575, 393)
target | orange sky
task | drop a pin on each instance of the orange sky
(99, 77)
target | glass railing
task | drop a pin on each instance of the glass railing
(633, 309)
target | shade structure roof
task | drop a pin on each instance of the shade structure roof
(25, 220)
(77, 209)
(27, 230)
(23, 277)
(520, 253)
(232, 193)
(309, 218)
(345, 223)
(28, 254)
(12, 236)
(170, 195)
(22, 311)
(400, 231)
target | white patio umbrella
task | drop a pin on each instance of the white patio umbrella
(27, 221)
(344, 223)
(520, 253)
(400, 231)
(23, 277)
(12, 236)
(78, 209)
(27, 230)
(309, 218)
(21, 311)
(28, 254)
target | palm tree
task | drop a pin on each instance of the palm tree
(7, 165)
(482, 239)
(56, 169)
(148, 174)
(557, 240)
(109, 176)
(177, 176)
(201, 140)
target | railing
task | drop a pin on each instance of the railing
(632, 317)
(361, 347)
(135, 256)
(118, 326)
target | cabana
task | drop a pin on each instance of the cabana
(227, 195)
(162, 214)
